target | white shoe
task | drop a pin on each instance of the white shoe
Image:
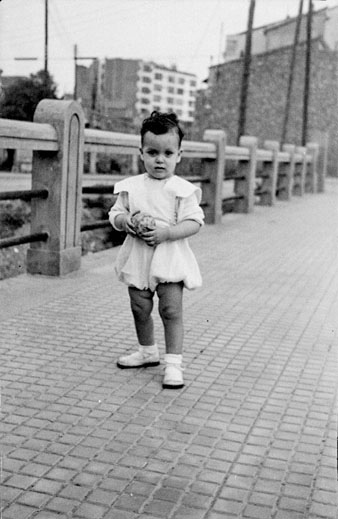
(145, 357)
(173, 374)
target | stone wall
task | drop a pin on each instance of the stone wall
(218, 106)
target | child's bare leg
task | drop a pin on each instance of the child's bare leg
(141, 302)
(171, 311)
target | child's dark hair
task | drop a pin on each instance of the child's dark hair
(160, 123)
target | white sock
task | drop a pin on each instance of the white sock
(149, 349)
(173, 358)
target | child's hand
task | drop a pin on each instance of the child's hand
(127, 224)
(157, 236)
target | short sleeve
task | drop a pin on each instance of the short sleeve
(121, 206)
(189, 209)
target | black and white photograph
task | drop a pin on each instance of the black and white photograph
(168, 259)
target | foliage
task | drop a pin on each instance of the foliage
(13, 215)
(22, 96)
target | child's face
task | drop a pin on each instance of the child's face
(160, 154)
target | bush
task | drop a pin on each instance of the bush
(13, 215)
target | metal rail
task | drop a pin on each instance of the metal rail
(24, 194)
(21, 240)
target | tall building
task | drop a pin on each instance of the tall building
(128, 90)
(272, 50)
(281, 34)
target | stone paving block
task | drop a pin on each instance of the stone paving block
(188, 513)
(228, 506)
(16, 510)
(129, 502)
(119, 514)
(89, 511)
(257, 512)
(34, 499)
(62, 505)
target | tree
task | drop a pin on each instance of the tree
(20, 99)
(22, 96)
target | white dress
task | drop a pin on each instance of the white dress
(169, 201)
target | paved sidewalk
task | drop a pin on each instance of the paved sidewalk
(253, 433)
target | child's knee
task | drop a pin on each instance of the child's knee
(141, 306)
(170, 311)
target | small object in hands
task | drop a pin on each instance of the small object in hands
(142, 223)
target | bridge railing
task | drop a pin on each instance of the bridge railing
(58, 141)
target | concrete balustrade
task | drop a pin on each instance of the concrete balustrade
(245, 183)
(286, 173)
(312, 184)
(213, 175)
(58, 141)
(269, 174)
(61, 174)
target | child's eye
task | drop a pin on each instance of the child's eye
(169, 153)
(152, 152)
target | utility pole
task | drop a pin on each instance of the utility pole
(246, 73)
(75, 72)
(46, 41)
(307, 74)
(291, 73)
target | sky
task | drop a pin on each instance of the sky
(188, 33)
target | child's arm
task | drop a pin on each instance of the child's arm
(123, 223)
(119, 215)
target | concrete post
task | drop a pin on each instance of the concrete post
(311, 184)
(300, 172)
(61, 174)
(213, 173)
(286, 174)
(245, 184)
(270, 172)
(92, 162)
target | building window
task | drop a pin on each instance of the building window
(171, 79)
(191, 114)
(158, 75)
(145, 101)
(147, 68)
(170, 100)
(179, 112)
(179, 102)
(180, 91)
(145, 90)
(146, 79)
(191, 103)
(171, 90)
(192, 93)
(181, 80)
(158, 87)
(156, 107)
(157, 98)
(192, 83)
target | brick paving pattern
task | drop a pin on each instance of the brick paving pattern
(253, 433)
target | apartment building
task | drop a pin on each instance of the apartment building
(277, 35)
(165, 89)
(128, 90)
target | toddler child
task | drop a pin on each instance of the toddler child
(159, 211)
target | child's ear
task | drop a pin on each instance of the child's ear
(179, 156)
(141, 154)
